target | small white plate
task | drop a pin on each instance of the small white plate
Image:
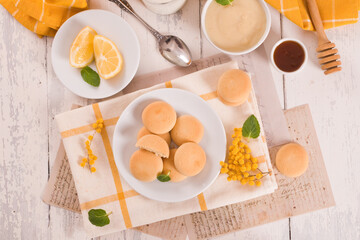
(104, 23)
(213, 143)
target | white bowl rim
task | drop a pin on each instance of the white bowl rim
(284, 40)
(262, 39)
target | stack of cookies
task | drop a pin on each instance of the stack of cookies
(161, 127)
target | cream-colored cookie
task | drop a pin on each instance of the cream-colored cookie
(234, 87)
(229, 103)
(145, 165)
(143, 131)
(187, 129)
(175, 176)
(155, 144)
(292, 160)
(159, 117)
(190, 159)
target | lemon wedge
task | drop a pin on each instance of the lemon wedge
(108, 59)
(82, 49)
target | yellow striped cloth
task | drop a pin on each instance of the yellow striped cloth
(334, 13)
(43, 17)
(107, 189)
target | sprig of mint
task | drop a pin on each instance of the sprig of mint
(224, 2)
(99, 217)
(251, 127)
(164, 177)
(90, 76)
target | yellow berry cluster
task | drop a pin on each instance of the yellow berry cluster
(241, 165)
(91, 157)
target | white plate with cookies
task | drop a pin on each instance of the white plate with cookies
(170, 132)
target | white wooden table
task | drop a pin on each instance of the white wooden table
(31, 95)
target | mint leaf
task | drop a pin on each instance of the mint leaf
(90, 76)
(251, 127)
(164, 177)
(224, 2)
(99, 217)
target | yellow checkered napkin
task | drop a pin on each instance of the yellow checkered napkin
(43, 17)
(334, 13)
(106, 189)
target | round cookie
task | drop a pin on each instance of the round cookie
(155, 144)
(189, 159)
(234, 87)
(168, 163)
(143, 131)
(229, 103)
(145, 165)
(292, 160)
(159, 117)
(187, 129)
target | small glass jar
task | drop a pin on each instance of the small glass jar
(164, 7)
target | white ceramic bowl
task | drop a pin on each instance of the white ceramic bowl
(104, 23)
(164, 7)
(284, 40)
(262, 39)
(213, 143)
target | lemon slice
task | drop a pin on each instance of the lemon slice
(108, 59)
(82, 49)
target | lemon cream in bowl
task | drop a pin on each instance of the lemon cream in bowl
(237, 28)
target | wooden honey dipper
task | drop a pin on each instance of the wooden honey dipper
(327, 53)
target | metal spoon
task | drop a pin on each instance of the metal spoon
(171, 47)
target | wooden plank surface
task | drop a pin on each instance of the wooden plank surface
(334, 102)
(24, 132)
(30, 96)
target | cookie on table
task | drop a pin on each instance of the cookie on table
(143, 131)
(234, 87)
(187, 129)
(190, 159)
(155, 144)
(169, 165)
(292, 160)
(159, 117)
(145, 165)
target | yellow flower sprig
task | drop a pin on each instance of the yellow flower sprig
(241, 165)
(91, 157)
